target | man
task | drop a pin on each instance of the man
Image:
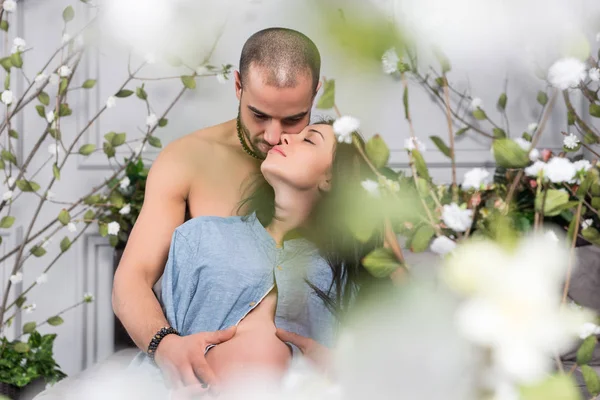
(204, 173)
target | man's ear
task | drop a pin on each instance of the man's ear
(238, 84)
(318, 87)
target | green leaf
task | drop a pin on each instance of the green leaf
(558, 386)
(596, 203)
(405, 102)
(118, 139)
(154, 141)
(188, 81)
(16, 59)
(327, 99)
(589, 183)
(109, 150)
(64, 217)
(87, 149)
(555, 200)
(381, 262)
(103, 229)
(377, 151)
(502, 101)
(55, 321)
(41, 111)
(44, 98)
(595, 110)
(89, 216)
(479, 114)
(7, 222)
(56, 171)
(586, 350)
(27, 186)
(462, 131)
(141, 93)
(4, 25)
(29, 327)
(65, 244)
(20, 301)
(590, 138)
(8, 156)
(116, 199)
(93, 199)
(542, 98)
(113, 240)
(499, 133)
(570, 118)
(7, 81)
(439, 143)
(89, 83)
(123, 93)
(162, 122)
(420, 240)
(13, 134)
(68, 14)
(574, 149)
(21, 347)
(592, 382)
(591, 235)
(38, 251)
(62, 88)
(508, 154)
(440, 82)
(420, 164)
(6, 63)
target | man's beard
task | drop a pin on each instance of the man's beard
(254, 146)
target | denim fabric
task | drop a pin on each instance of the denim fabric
(219, 269)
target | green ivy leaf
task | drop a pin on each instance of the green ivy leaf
(499, 133)
(87, 149)
(542, 98)
(586, 350)
(163, 122)
(439, 143)
(21, 347)
(154, 141)
(103, 229)
(381, 262)
(89, 216)
(141, 93)
(62, 88)
(479, 114)
(27, 186)
(89, 83)
(64, 217)
(93, 199)
(508, 154)
(44, 98)
(55, 321)
(421, 238)
(29, 327)
(6, 63)
(377, 151)
(16, 59)
(595, 110)
(592, 382)
(13, 134)
(554, 204)
(64, 110)
(116, 199)
(123, 93)
(7, 222)
(41, 111)
(188, 81)
(65, 244)
(68, 14)
(4, 25)
(109, 150)
(8, 156)
(502, 101)
(327, 99)
(420, 165)
(56, 171)
(38, 251)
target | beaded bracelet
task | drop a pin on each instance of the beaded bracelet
(157, 338)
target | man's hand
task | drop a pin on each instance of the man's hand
(182, 359)
(313, 350)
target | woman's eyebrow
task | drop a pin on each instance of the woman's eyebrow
(314, 130)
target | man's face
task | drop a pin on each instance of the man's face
(267, 111)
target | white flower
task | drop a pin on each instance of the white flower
(124, 183)
(534, 155)
(389, 61)
(413, 143)
(202, 70)
(582, 165)
(371, 186)
(7, 195)
(64, 71)
(456, 218)
(113, 228)
(30, 308)
(475, 178)
(150, 58)
(344, 127)
(88, 297)
(54, 79)
(151, 120)
(476, 103)
(535, 169)
(532, 127)
(588, 329)
(126, 209)
(66, 38)
(19, 45)
(559, 170)
(524, 144)
(10, 181)
(41, 77)
(50, 195)
(53, 149)
(16, 278)
(566, 73)
(9, 5)
(571, 141)
(587, 223)
(72, 227)
(222, 78)
(111, 102)
(50, 116)
(443, 245)
(594, 74)
(7, 97)
(43, 278)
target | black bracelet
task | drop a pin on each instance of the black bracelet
(157, 338)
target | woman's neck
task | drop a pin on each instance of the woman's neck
(292, 210)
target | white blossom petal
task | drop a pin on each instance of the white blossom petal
(7, 97)
(113, 228)
(567, 73)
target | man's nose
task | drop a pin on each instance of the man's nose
(273, 133)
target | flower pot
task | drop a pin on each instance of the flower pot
(10, 391)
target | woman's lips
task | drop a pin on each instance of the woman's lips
(278, 150)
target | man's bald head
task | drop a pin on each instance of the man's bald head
(283, 54)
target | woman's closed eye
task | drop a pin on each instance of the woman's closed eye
(309, 141)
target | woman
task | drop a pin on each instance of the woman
(290, 263)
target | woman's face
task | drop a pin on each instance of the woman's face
(302, 161)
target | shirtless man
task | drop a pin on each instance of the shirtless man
(204, 173)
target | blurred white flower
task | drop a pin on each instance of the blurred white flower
(587, 223)
(524, 144)
(72, 227)
(41, 77)
(16, 278)
(475, 179)
(371, 186)
(53, 149)
(456, 218)
(43, 278)
(54, 79)
(126, 209)
(30, 308)
(124, 183)
(566, 73)
(113, 228)
(151, 120)
(571, 141)
(389, 61)
(534, 155)
(588, 329)
(222, 78)
(582, 165)
(594, 74)
(19, 45)
(559, 170)
(535, 169)
(88, 297)
(413, 143)
(7, 195)
(50, 116)
(344, 126)
(150, 58)
(111, 102)
(7, 97)
(66, 38)
(64, 71)
(476, 103)
(532, 127)
(9, 5)
(443, 245)
(50, 195)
